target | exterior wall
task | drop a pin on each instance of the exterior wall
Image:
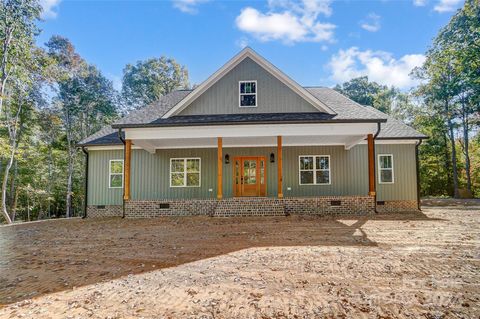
(272, 97)
(349, 174)
(98, 191)
(395, 206)
(405, 176)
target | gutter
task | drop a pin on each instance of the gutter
(85, 208)
(417, 164)
(124, 155)
(379, 127)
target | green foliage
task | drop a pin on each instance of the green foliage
(146, 81)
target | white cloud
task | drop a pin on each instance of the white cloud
(242, 42)
(379, 66)
(447, 5)
(371, 22)
(49, 8)
(188, 6)
(288, 21)
(419, 3)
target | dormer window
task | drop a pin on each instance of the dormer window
(248, 93)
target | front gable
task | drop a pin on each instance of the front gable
(276, 92)
(272, 96)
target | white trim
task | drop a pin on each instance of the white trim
(185, 159)
(380, 169)
(240, 94)
(395, 141)
(315, 171)
(248, 53)
(110, 173)
(249, 130)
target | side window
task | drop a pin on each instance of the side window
(185, 172)
(115, 178)
(247, 93)
(385, 169)
(314, 170)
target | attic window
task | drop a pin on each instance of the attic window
(248, 93)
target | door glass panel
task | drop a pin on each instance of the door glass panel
(262, 172)
(250, 172)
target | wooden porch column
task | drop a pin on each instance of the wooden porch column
(219, 168)
(279, 167)
(126, 175)
(371, 165)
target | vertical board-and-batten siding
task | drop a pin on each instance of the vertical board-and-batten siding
(272, 95)
(349, 173)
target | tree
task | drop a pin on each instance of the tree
(361, 90)
(146, 81)
(18, 73)
(86, 101)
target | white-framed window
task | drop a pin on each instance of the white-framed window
(115, 173)
(185, 172)
(247, 93)
(314, 170)
(385, 169)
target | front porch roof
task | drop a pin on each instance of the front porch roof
(250, 135)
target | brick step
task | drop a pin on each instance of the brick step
(252, 206)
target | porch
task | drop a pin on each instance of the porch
(249, 159)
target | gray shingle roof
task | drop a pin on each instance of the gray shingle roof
(344, 108)
(395, 129)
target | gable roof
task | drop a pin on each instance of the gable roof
(242, 55)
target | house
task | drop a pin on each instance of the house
(251, 141)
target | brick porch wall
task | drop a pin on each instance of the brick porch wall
(325, 206)
(177, 207)
(395, 206)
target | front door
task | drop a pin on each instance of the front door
(249, 176)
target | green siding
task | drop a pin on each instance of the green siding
(405, 177)
(348, 169)
(272, 95)
(349, 173)
(98, 191)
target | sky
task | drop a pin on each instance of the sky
(315, 42)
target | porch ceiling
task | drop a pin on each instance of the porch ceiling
(153, 144)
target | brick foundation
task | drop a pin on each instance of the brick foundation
(323, 206)
(176, 207)
(105, 211)
(330, 205)
(395, 206)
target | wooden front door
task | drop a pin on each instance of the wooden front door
(249, 176)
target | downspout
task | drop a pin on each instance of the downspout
(85, 209)
(124, 155)
(417, 163)
(379, 127)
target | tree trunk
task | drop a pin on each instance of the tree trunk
(14, 207)
(454, 158)
(4, 185)
(466, 146)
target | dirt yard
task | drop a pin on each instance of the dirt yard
(385, 266)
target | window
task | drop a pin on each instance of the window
(248, 93)
(115, 178)
(185, 172)
(314, 170)
(385, 169)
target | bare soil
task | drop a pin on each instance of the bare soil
(406, 265)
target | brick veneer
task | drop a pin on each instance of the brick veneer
(395, 206)
(354, 205)
(106, 211)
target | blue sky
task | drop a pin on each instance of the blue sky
(316, 42)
